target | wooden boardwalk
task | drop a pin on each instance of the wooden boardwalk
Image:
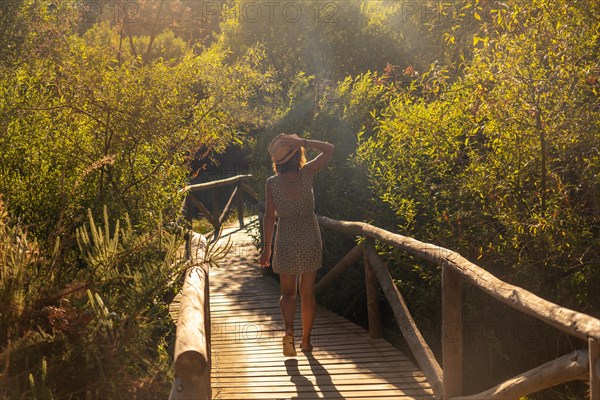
(247, 360)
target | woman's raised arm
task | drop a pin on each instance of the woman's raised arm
(320, 161)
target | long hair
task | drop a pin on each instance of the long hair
(295, 162)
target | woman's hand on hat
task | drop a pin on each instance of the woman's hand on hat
(292, 141)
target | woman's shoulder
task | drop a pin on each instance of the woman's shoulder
(271, 179)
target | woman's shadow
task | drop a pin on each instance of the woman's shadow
(304, 387)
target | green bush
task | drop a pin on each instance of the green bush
(103, 334)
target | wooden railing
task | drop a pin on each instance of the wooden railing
(580, 365)
(239, 188)
(192, 348)
(192, 360)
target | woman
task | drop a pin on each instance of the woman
(298, 248)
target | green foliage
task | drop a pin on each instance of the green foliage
(104, 120)
(328, 40)
(102, 335)
(500, 164)
(92, 124)
(471, 124)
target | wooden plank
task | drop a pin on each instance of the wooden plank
(311, 396)
(245, 373)
(299, 384)
(274, 361)
(247, 354)
(250, 373)
(325, 341)
(324, 388)
(330, 370)
(366, 368)
(268, 367)
(342, 379)
(277, 320)
(327, 393)
(282, 387)
(323, 346)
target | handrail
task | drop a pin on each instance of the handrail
(216, 220)
(192, 359)
(575, 323)
(213, 184)
(454, 267)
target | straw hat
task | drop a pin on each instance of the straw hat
(281, 153)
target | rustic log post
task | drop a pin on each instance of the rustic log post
(227, 208)
(342, 266)
(421, 351)
(452, 340)
(372, 288)
(594, 361)
(213, 221)
(240, 206)
(192, 341)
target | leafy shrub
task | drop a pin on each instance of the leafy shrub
(103, 334)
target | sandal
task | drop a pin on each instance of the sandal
(288, 346)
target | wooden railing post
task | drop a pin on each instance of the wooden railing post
(212, 216)
(227, 209)
(215, 204)
(594, 361)
(240, 205)
(452, 339)
(372, 287)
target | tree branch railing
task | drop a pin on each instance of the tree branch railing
(446, 382)
(192, 359)
(240, 187)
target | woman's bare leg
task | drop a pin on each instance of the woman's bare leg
(287, 301)
(309, 305)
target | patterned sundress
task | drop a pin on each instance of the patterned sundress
(298, 246)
